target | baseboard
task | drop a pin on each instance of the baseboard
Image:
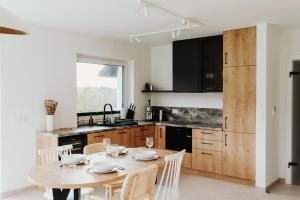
(277, 181)
(17, 191)
(220, 177)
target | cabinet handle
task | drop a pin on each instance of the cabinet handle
(120, 133)
(226, 58)
(206, 133)
(225, 139)
(160, 135)
(97, 136)
(143, 139)
(226, 122)
(206, 143)
(144, 129)
(209, 154)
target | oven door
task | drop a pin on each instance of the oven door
(178, 138)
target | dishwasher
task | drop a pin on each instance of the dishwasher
(179, 138)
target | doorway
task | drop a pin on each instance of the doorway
(295, 164)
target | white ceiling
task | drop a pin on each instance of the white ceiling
(117, 19)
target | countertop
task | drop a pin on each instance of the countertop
(91, 129)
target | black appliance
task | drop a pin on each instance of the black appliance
(78, 142)
(179, 138)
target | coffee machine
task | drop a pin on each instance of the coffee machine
(149, 111)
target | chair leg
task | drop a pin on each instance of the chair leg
(108, 192)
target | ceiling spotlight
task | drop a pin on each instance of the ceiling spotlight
(131, 40)
(173, 34)
(146, 9)
(137, 40)
(186, 22)
(178, 33)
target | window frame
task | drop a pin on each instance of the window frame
(100, 61)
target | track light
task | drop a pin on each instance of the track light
(146, 10)
(173, 34)
(138, 40)
(178, 33)
(186, 22)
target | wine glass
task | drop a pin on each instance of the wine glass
(114, 150)
(106, 142)
(149, 142)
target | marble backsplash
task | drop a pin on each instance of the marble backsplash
(189, 115)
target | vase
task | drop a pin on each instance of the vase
(50, 122)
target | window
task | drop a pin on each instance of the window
(98, 84)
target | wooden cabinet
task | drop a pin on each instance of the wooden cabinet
(209, 161)
(98, 136)
(239, 99)
(140, 134)
(160, 137)
(187, 160)
(239, 155)
(207, 150)
(121, 137)
(239, 47)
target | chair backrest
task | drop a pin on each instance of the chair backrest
(140, 184)
(50, 155)
(168, 186)
(94, 148)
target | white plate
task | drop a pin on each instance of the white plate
(104, 166)
(145, 154)
(147, 159)
(74, 159)
(104, 172)
(121, 149)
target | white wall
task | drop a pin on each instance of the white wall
(261, 88)
(161, 78)
(289, 50)
(42, 65)
(272, 116)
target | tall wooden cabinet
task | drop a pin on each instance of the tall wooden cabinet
(239, 103)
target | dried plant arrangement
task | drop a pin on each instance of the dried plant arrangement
(50, 106)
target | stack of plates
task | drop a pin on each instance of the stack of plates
(105, 166)
(74, 159)
(145, 155)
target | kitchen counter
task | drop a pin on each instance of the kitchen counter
(91, 129)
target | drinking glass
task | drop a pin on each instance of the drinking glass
(114, 151)
(149, 142)
(106, 142)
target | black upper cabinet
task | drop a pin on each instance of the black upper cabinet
(212, 63)
(197, 65)
(186, 62)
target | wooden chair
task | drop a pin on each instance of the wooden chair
(139, 185)
(168, 186)
(51, 155)
(99, 147)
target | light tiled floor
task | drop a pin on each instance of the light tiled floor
(194, 187)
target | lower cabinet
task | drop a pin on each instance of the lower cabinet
(239, 155)
(98, 136)
(205, 160)
(140, 134)
(160, 137)
(121, 137)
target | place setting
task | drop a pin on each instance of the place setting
(143, 154)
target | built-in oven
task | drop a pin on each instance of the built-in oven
(77, 141)
(179, 138)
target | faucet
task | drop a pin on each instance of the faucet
(104, 112)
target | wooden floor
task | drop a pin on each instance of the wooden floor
(193, 187)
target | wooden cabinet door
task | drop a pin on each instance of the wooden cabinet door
(239, 47)
(126, 137)
(160, 137)
(97, 137)
(239, 99)
(116, 138)
(239, 155)
(209, 161)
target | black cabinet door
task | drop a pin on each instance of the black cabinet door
(211, 63)
(187, 65)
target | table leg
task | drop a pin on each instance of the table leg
(60, 194)
(77, 194)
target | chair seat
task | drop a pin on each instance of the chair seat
(84, 191)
